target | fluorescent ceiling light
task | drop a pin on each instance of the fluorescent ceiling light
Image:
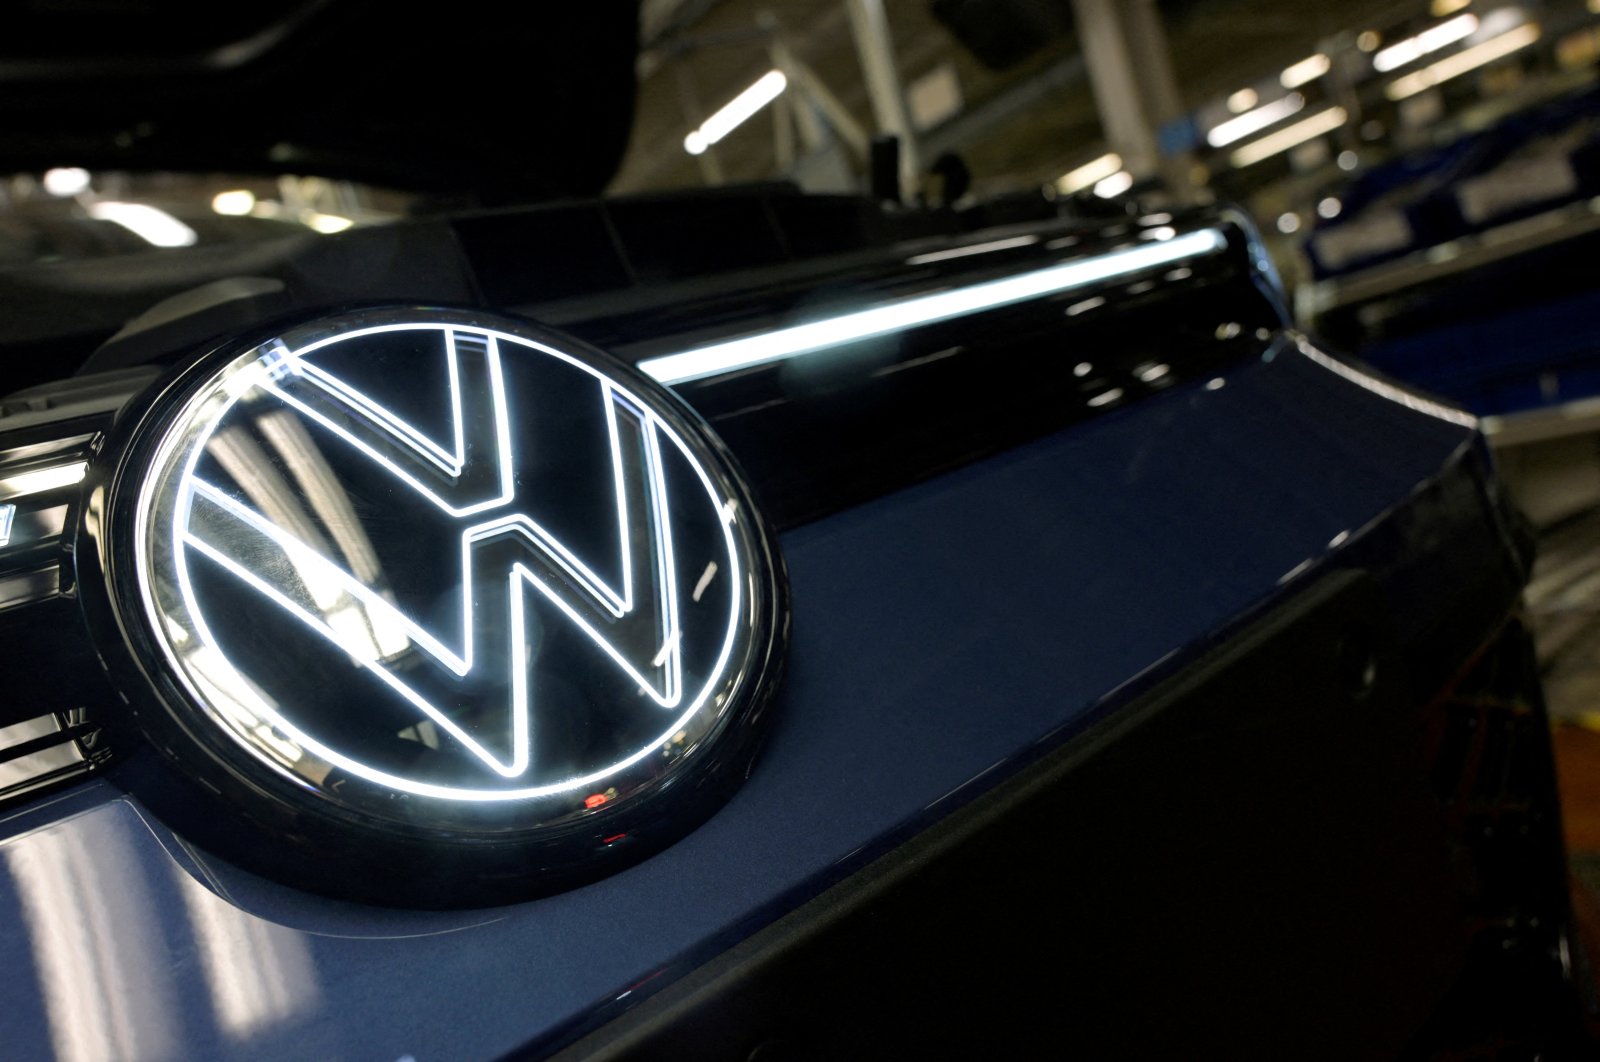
(326, 223)
(1463, 62)
(1284, 139)
(736, 112)
(7, 514)
(66, 180)
(1307, 69)
(1089, 174)
(1428, 41)
(784, 343)
(1225, 133)
(1441, 8)
(151, 224)
(1114, 185)
(1243, 100)
(235, 203)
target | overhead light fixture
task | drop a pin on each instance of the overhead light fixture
(1463, 62)
(1441, 8)
(1089, 174)
(736, 112)
(1243, 100)
(151, 224)
(236, 202)
(1403, 53)
(1308, 69)
(1227, 132)
(1114, 185)
(326, 223)
(66, 180)
(1291, 136)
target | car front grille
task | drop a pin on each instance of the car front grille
(46, 750)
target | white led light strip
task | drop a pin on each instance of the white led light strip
(784, 343)
(540, 546)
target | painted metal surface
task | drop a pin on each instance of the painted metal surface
(941, 634)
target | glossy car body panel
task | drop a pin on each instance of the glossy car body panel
(945, 635)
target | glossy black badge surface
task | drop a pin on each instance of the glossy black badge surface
(421, 590)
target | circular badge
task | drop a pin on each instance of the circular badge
(415, 582)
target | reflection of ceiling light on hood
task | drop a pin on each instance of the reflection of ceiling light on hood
(66, 180)
(151, 224)
(736, 111)
(235, 203)
(1430, 40)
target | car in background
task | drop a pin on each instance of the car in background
(1153, 682)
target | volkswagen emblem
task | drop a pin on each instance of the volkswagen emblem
(426, 589)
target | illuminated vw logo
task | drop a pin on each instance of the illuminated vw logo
(413, 555)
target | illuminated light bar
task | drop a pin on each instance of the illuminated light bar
(151, 224)
(1427, 42)
(736, 112)
(1225, 133)
(1463, 62)
(1089, 174)
(1307, 69)
(8, 513)
(784, 343)
(1292, 136)
(42, 479)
